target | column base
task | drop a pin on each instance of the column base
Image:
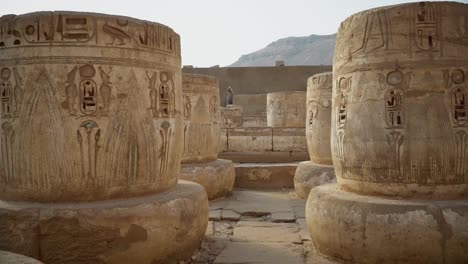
(216, 176)
(309, 174)
(161, 228)
(370, 229)
(12, 258)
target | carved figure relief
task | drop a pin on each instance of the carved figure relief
(230, 96)
(88, 135)
(187, 107)
(165, 133)
(313, 110)
(214, 109)
(105, 90)
(426, 27)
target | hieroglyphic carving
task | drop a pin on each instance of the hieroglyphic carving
(162, 96)
(85, 96)
(9, 31)
(60, 28)
(88, 135)
(455, 83)
(156, 37)
(8, 136)
(10, 96)
(117, 33)
(460, 155)
(165, 133)
(344, 86)
(340, 145)
(426, 27)
(395, 141)
(343, 89)
(88, 90)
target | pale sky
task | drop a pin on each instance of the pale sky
(218, 32)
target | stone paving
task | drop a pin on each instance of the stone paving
(253, 227)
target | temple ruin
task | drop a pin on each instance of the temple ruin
(113, 153)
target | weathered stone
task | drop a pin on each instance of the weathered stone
(260, 252)
(319, 95)
(152, 229)
(265, 156)
(283, 217)
(230, 215)
(231, 116)
(266, 232)
(309, 174)
(214, 215)
(400, 117)
(252, 104)
(286, 109)
(303, 229)
(91, 113)
(265, 175)
(257, 203)
(90, 109)
(216, 176)
(399, 124)
(12, 258)
(202, 118)
(373, 229)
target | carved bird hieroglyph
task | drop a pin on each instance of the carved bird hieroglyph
(115, 33)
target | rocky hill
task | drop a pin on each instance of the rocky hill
(310, 50)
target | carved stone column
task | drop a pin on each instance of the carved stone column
(202, 115)
(91, 112)
(319, 170)
(399, 138)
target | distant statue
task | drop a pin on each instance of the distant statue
(230, 96)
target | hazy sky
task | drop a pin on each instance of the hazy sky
(220, 31)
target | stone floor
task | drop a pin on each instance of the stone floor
(251, 227)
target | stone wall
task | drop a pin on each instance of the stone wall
(260, 80)
(252, 104)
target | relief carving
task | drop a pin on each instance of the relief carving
(165, 133)
(426, 27)
(455, 82)
(88, 135)
(116, 33)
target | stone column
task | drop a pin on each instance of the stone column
(399, 138)
(91, 132)
(286, 109)
(319, 170)
(12, 258)
(202, 116)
